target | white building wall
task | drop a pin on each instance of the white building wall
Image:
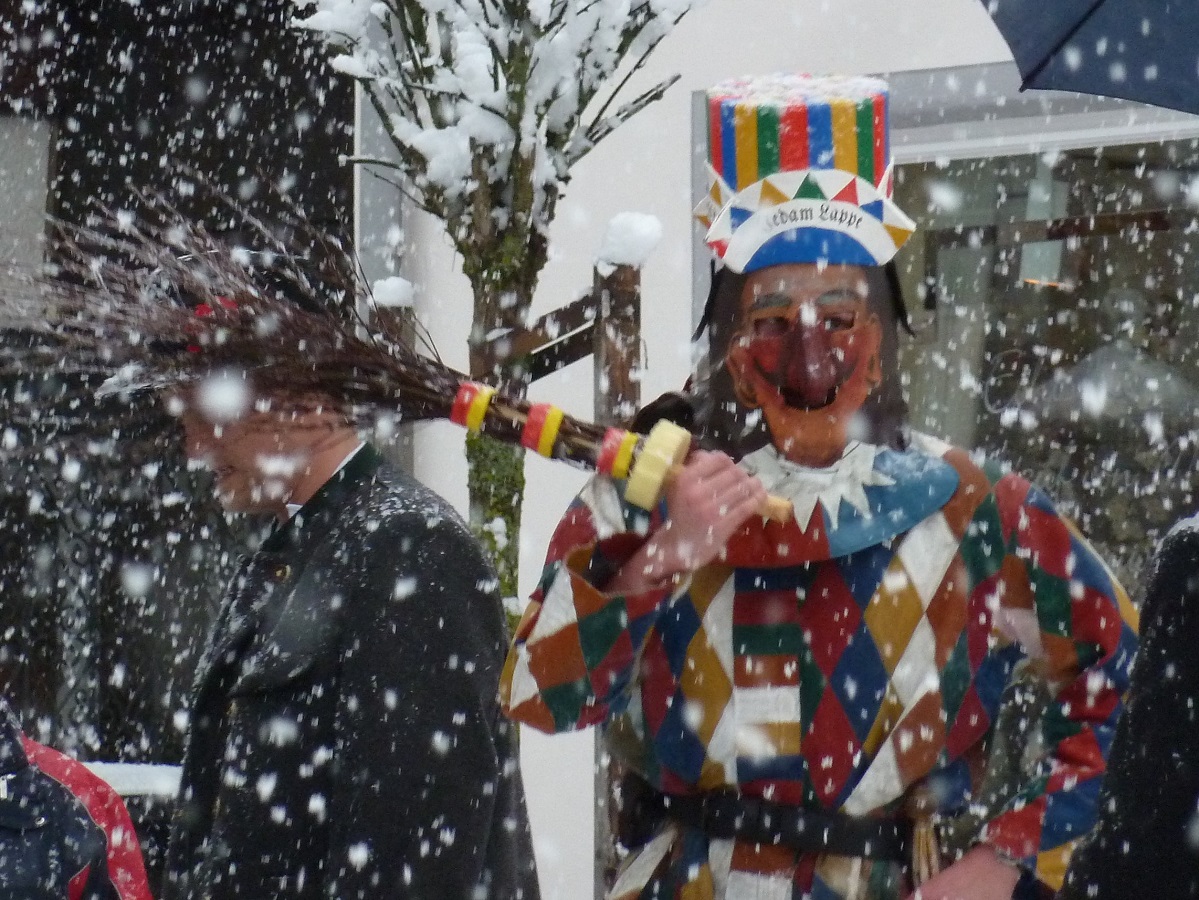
(645, 167)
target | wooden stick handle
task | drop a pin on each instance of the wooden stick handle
(777, 509)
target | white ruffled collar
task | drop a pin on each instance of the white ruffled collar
(843, 481)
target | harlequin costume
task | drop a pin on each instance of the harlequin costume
(836, 667)
(832, 680)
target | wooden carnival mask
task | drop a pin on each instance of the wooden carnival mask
(807, 353)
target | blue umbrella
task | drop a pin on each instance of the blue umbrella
(1144, 50)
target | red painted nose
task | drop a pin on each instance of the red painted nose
(810, 370)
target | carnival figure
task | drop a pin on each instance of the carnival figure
(812, 702)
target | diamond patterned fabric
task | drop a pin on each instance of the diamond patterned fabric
(842, 666)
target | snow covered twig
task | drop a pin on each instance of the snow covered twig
(493, 99)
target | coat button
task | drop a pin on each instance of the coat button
(282, 572)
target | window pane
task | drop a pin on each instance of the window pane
(1059, 327)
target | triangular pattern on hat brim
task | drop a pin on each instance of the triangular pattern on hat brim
(706, 211)
(718, 197)
(720, 230)
(848, 194)
(738, 216)
(873, 208)
(895, 217)
(812, 185)
(899, 235)
(789, 182)
(719, 189)
(771, 195)
(809, 190)
(886, 182)
(832, 181)
(749, 197)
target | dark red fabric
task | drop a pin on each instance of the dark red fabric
(107, 809)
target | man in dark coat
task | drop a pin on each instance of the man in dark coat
(1146, 842)
(345, 739)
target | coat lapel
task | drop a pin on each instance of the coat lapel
(297, 621)
(233, 623)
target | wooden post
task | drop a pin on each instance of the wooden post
(617, 342)
(617, 290)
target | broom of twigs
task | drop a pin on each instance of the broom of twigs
(154, 306)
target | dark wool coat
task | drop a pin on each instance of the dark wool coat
(1146, 843)
(345, 739)
(50, 847)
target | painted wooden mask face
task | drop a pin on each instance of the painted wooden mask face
(807, 354)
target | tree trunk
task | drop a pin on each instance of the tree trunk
(496, 478)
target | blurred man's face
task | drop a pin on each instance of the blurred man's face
(806, 353)
(257, 451)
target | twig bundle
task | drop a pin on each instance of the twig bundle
(155, 307)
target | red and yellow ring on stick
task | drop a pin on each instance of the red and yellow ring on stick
(470, 404)
(542, 424)
(616, 452)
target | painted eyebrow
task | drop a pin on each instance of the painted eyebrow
(776, 300)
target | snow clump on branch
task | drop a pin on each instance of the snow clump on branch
(489, 99)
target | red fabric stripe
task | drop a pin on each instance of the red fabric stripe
(657, 683)
(615, 661)
(830, 612)
(104, 805)
(1010, 493)
(577, 529)
(715, 145)
(1018, 833)
(978, 618)
(780, 791)
(1088, 703)
(1094, 618)
(769, 608)
(969, 725)
(793, 139)
(646, 603)
(880, 139)
(76, 885)
(1079, 756)
(1049, 539)
(830, 747)
(771, 543)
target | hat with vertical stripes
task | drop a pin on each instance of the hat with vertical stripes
(800, 173)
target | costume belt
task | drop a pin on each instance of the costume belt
(727, 814)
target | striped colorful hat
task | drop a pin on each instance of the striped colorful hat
(800, 173)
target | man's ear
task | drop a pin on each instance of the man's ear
(873, 333)
(740, 367)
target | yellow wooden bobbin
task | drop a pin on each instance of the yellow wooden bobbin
(666, 447)
(661, 456)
